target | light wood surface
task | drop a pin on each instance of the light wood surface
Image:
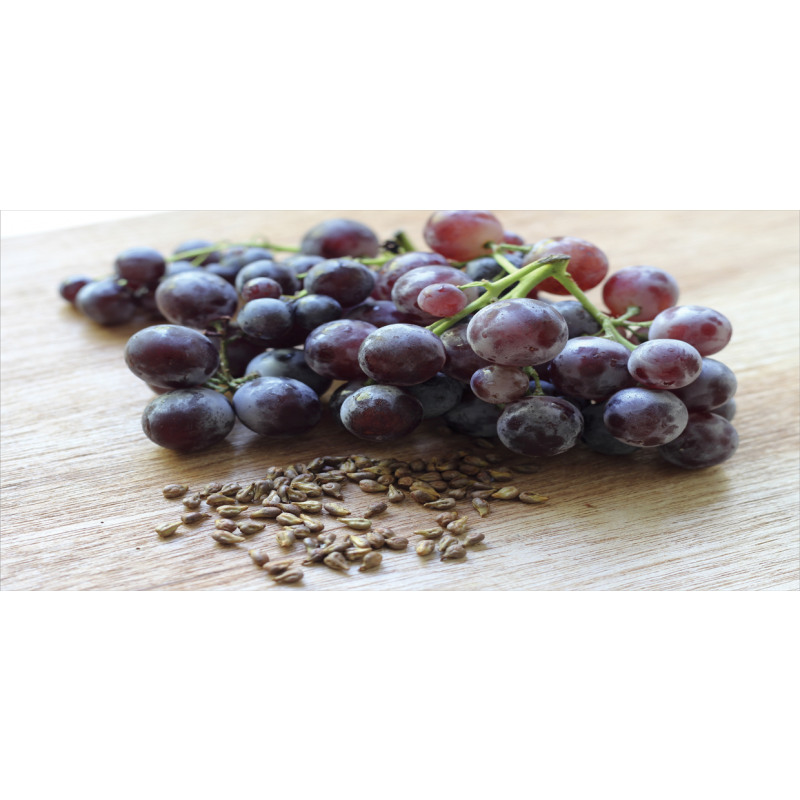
(81, 485)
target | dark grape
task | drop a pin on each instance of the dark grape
(713, 387)
(727, 410)
(196, 298)
(649, 288)
(265, 320)
(665, 364)
(171, 356)
(462, 235)
(473, 417)
(645, 417)
(579, 321)
(398, 266)
(380, 413)
(519, 332)
(339, 395)
(591, 368)
(461, 361)
(703, 328)
(401, 355)
(337, 238)
(332, 349)
(239, 349)
(140, 267)
(266, 268)
(234, 259)
(313, 310)
(300, 263)
(485, 268)
(596, 435)
(346, 281)
(499, 384)
(377, 312)
(540, 426)
(587, 266)
(278, 407)
(106, 302)
(70, 287)
(174, 267)
(288, 362)
(405, 293)
(188, 420)
(260, 288)
(708, 440)
(438, 394)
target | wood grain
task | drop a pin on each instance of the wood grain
(81, 484)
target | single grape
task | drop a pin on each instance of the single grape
(171, 356)
(140, 267)
(300, 263)
(288, 362)
(346, 281)
(259, 288)
(665, 364)
(708, 440)
(106, 302)
(69, 287)
(727, 410)
(377, 312)
(462, 235)
(438, 395)
(461, 361)
(596, 436)
(339, 395)
(405, 293)
(234, 259)
(196, 298)
(401, 355)
(441, 300)
(267, 268)
(265, 320)
(650, 289)
(188, 420)
(591, 368)
(332, 349)
(337, 238)
(509, 237)
(313, 310)
(499, 384)
(645, 417)
(380, 413)
(191, 245)
(713, 387)
(540, 426)
(278, 407)
(579, 321)
(518, 332)
(473, 417)
(706, 330)
(587, 266)
(398, 266)
(485, 268)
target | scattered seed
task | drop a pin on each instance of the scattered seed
(336, 561)
(249, 527)
(396, 543)
(285, 518)
(227, 537)
(423, 496)
(285, 538)
(292, 575)
(441, 504)
(246, 493)
(454, 552)
(310, 506)
(446, 541)
(278, 567)
(230, 488)
(375, 539)
(372, 560)
(458, 526)
(429, 533)
(357, 553)
(375, 509)
(209, 489)
(483, 494)
(225, 525)
(193, 501)
(356, 523)
(193, 517)
(336, 509)
(471, 539)
(167, 529)
(425, 547)
(174, 490)
(507, 493)
(332, 490)
(218, 499)
(230, 511)
(394, 495)
(481, 506)
(313, 525)
(360, 542)
(260, 557)
(265, 512)
(532, 498)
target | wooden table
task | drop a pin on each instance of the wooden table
(81, 485)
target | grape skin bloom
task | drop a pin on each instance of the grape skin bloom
(540, 426)
(645, 417)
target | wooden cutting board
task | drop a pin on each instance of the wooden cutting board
(81, 485)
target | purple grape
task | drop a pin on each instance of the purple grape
(197, 244)
(591, 368)
(259, 288)
(140, 267)
(188, 420)
(461, 361)
(407, 288)
(645, 417)
(313, 310)
(267, 268)
(579, 321)
(288, 363)
(540, 426)
(727, 410)
(596, 435)
(332, 349)
(401, 355)
(380, 413)
(499, 384)
(337, 238)
(377, 312)
(394, 269)
(665, 364)
(438, 395)
(277, 407)
(265, 320)
(300, 263)
(171, 356)
(713, 387)
(707, 440)
(649, 288)
(706, 330)
(106, 302)
(346, 281)
(473, 417)
(235, 259)
(196, 299)
(70, 287)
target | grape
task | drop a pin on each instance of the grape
(188, 420)
(377, 312)
(380, 413)
(665, 364)
(313, 310)
(171, 356)
(174, 267)
(398, 266)
(198, 244)
(485, 268)
(258, 288)
(339, 395)
(336, 238)
(235, 259)
(264, 268)
(332, 349)
(579, 321)
(196, 298)
(473, 417)
(540, 426)
(407, 288)
(265, 319)
(649, 288)
(509, 237)
(499, 384)
(239, 349)
(462, 235)
(300, 263)
(587, 266)
(591, 368)
(288, 363)
(518, 332)
(596, 435)
(346, 281)
(708, 439)
(278, 407)
(106, 302)
(727, 410)
(140, 267)
(402, 355)
(70, 287)
(645, 417)
(461, 360)
(714, 386)
(438, 394)
(441, 300)
(706, 330)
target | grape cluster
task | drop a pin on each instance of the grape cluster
(459, 332)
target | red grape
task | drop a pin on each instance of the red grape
(462, 235)
(401, 355)
(587, 266)
(337, 238)
(441, 299)
(499, 384)
(645, 417)
(708, 440)
(703, 328)
(540, 426)
(649, 288)
(332, 349)
(380, 413)
(665, 364)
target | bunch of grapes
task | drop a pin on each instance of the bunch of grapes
(460, 332)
